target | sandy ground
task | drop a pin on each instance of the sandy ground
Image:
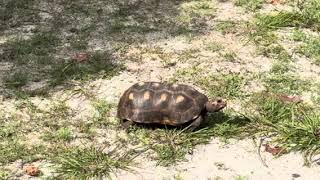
(216, 160)
(229, 161)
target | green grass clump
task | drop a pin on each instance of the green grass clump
(4, 174)
(226, 27)
(229, 56)
(171, 145)
(17, 79)
(298, 35)
(285, 83)
(214, 46)
(14, 12)
(224, 85)
(251, 5)
(228, 85)
(276, 20)
(202, 8)
(310, 12)
(294, 126)
(311, 49)
(102, 110)
(35, 50)
(62, 134)
(12, 149)
(86, 163)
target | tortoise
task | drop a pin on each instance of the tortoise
(166, 104)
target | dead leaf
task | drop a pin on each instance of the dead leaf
(274, 150)
(275, 2)
(32, 170)
(289, 98)
(81, 57)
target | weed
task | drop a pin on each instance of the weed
(84, 163)
(280, 19)
(202, 8)
(12, 150)
(223, 85)
(285, 84)
(311, 49)
(310, 12)
(298, 35)
(14, 12)
(228, 85)
(294, 126)
(17, 79)
(4, 174)
(251, 5)
(185, 55)
(103, 109)
(226, 27)
(213, 46)
(239, 177)
(35, 49)
(230, 56)
(62, 134)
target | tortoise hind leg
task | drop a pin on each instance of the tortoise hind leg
(196, 123)
(126, 124)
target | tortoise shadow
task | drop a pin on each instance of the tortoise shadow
(212, 121)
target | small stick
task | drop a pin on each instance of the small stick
(259, 151)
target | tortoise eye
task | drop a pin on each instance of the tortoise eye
(219, 101)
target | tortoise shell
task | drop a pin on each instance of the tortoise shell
(154, 102)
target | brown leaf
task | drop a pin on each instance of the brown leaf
(81, 57)
(275, 2)
(274, 150)
(289, 98)
(31, 170)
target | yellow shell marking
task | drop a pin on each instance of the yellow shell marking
(146, 95)
(163, 97)
(141, 83)
(131, 96)
(179, 99)
(156, 84)
(175, 85)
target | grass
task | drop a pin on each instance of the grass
(311, 49)
(226, 26)
(228, 85)
(4, 174)
(252, 5)
(12, 150)
(230, 56)
(298, 35)
(84, 163)
(289, 84)
(101, 115)
(213, 46)
(294, 126)
(62, 134)
(202, 8)
(171, 146)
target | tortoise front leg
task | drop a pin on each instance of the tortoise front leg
(196, 123)
(126, 124)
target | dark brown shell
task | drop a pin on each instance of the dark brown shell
(154, 102)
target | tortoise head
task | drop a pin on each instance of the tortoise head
(215, 105)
